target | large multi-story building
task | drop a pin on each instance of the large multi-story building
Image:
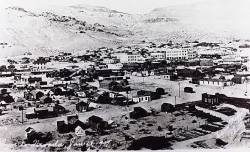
(231, 59)
(192, 54)
(176, 54)
(159, 55)
(129, 58)
(116, 66)
(109, 61)
(39, 66)
(173, 54)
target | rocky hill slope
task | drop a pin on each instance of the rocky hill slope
(80, 27)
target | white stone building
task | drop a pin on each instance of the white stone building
(141, 99)
(109, 61)
(129, 58)
(116, 66)
(216, 82)
(159, 55)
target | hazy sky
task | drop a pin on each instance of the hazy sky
(128, 6)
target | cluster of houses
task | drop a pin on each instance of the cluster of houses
(44, 87)
(102, 75)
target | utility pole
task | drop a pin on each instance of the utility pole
(22, 116)
(246, 87)
(127, 97)
(21, 109)
(179, 89)
(174, 100)
(78, 105)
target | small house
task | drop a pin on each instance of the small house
(138, 112)
(81, 106)
(62, 127)
(46, 99)
(237, 79)
(166, 76)
(97, 123)
(117, 98)
(211, 99)
(79, 131)
(71, 119)
(153, 95)
(206, 63)
(104, 84)
(30, 115)
(7, 98)
(34, 79)
(216, 82)
(42, 113)
(33, 95)
(59, 109)
(167, 107)
(189, 90)
(142, 98)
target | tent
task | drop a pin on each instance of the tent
(93, 105)
(3, 103)
(79, 131)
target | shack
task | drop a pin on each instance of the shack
(97, 123)
(138, 112)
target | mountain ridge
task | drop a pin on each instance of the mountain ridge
(80, 27)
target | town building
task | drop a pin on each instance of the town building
(129, 57)
(39, 66)
(192, 54)
(109, 61)
(116, 66)
(231, 59)
(159, 55)
(97, 123)
(207, 62)
(211, 99)
(6, 74)
(216, 82)
(141, 99)
(238, 79)
(176, 54)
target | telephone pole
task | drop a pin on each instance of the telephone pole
(246, 87)
(179, 89)
(127, 98)
(174, 100)
(22, 116)
(21, 108)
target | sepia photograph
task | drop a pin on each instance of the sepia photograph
(124, 75)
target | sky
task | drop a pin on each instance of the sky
(127, 6)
